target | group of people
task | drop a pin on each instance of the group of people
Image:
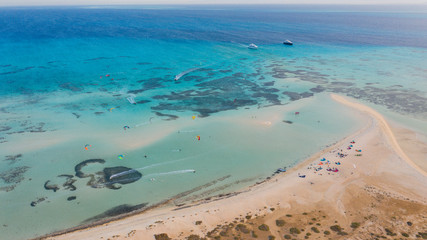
(332, 166)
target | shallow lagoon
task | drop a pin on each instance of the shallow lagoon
(236, 149)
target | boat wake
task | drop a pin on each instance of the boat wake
(171, 173)
(177, 77)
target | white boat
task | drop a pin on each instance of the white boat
(288, 42)
(252, 46)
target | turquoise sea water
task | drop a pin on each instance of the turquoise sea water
(66, 74)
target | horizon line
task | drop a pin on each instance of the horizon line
(213, 4)
(219, 4)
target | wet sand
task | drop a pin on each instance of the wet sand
(382, 187)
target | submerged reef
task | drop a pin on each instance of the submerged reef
(149, 84)
(70, 86)
(23, 126)
(68, 185)
(296, 96)
(36, 128)
(13, 158)
(52, 187)
(219, 94)
(79, 167)
(5, 128)
(396, 99)
(71, 198)
(108, 181)
(7, 188)
(14, 175)
(170, 116)
(37, 201)
(103, 178)
(111, 177)
(115, 211)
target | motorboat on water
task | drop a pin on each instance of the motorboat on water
(252, 46)
(288, 42)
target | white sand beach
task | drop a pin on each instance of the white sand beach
(384, 167)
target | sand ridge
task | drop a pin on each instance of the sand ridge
(384, 127)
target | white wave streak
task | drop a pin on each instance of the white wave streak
(117, 181)
(122, 173)
(177, 77)
(171, 173)
(164, 163)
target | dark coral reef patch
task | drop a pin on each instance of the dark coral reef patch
(130, 176)
(115, 211)
(14, 175)
(110, 177)
(104, 178)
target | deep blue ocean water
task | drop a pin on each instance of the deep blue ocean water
(66, 74)
(59, 44)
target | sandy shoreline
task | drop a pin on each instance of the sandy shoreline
(382, 166)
